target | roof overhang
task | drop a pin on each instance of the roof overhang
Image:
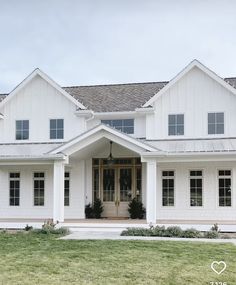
(102, 131)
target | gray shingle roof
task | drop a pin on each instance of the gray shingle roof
(117, 97)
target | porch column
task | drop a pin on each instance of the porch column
(151, 191)
(58, 191)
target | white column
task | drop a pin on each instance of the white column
(151, 196)
(58, 191)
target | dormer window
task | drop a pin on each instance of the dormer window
(176, 125)
(22, 129)
(125, 125)
(56, 129)
(215, 123)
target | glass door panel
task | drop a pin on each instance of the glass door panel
(108, 185)
(125, 184)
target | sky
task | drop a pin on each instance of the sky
(87, 42)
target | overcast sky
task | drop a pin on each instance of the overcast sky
(82, 42)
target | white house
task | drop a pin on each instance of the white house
(173, 144)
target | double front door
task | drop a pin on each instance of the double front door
(116, 190)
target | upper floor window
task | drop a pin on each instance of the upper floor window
(215, 123)
(125, 125)
(176, 125)
(22, 129)
(56, 129)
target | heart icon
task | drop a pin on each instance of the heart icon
(218, 266)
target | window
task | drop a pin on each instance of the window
(126, 126)
(195, 188)
(215, 123)
(56, 129)
(176, 125)
(224, 177)
(22, 129)
(14, 186)
(67, 189)
(39, 185)
(167, 188)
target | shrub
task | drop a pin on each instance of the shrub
(158, 231)
(89, 211)
(97, 208)
(191, 233)
(28, 228)
(215, 228)
(136, 209)
(173, 231)
(211, 234)
(136, 232)
(50, 228)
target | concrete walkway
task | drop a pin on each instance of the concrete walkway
(114, 234)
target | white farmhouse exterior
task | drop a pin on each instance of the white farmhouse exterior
(171, 144)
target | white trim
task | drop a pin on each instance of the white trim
(191, 65)
(105, 130)
(39, 72)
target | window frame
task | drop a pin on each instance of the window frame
(207, 125)
(174, 196)
(67, 179)
(37, 178)
(218, 187)
(56, 129)
(175, 125)
(9, 187)
(189, 188)
(22, 130)
(122, 126)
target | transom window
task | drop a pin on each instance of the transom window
(126, 125)
(14, 185)
(67, 189)
(56, 129)
(195, 188)
(168, 188)
(39, 188)
(22, 129)
(225, 191)
(176, 125)
(215, 123)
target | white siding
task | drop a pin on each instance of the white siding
(182, 209)
(39, 102)
(194, 95)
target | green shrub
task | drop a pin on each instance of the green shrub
(211, 234)
(158, 231)
(136, 232)
(173, 231)
(28, 228)
(50, 228)
(191, 233)
(97, 208)
(89, 211)
(136, 209)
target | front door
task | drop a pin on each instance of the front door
(116, 191)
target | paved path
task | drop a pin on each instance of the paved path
(84, 234)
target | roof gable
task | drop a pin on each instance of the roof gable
(203, 68)
(38, 72)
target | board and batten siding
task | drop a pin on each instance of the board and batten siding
(210, 209)
(194, 95)
(39, 102)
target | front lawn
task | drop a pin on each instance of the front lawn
(43, 259)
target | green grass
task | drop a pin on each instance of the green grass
(43, 259)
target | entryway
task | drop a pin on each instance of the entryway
(117, 184)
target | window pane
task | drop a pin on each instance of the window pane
(60, 123)
(172, 131)
(180, 130)
(52, 124)
(220, 118)
(211, 129)
(53, 134)
(60, 134)
(26, 124)
(211, 118)
(172, 119)
(220, 129)
(180, 119)
(128, 122)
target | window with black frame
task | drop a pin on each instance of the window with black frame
(225, 193)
